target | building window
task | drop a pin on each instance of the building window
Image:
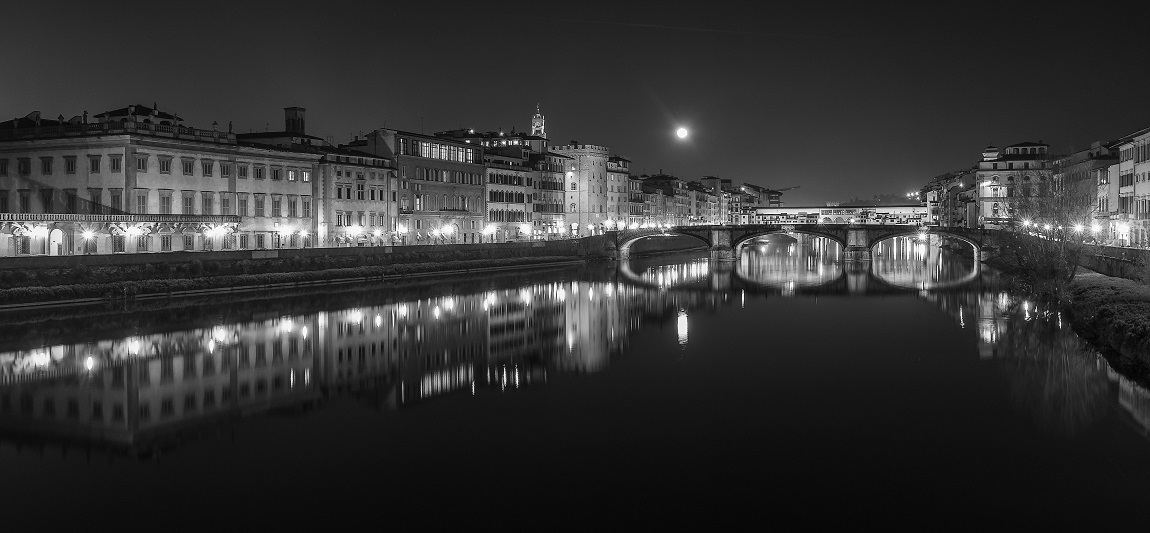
(142, 203)
(143, 243)
(276, 207)
(259, 240)
(3, 167)
(94, 165)
(118, 243)
(116, 163)
(225, 205)
(359, 194)
(117, 200)
(244, 241)
(206, 203)
(165, 165)
(259, 173)
(291, 208)
(305, 176)
(166, 242)
(225, 170)
(69, 164)
(291, 174)
(573, 186)
(188, 167)
(242, 172)
(242, 206)
(4, 202)
(277, 174)
(206, 167)
(305, 208)
(260, 208)
(45, 165)
(189, 204)
(189, 242)
(165, 203)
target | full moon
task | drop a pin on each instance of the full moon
(682, 133)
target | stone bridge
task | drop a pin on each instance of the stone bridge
(857, 240)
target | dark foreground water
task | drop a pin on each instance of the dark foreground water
(782, 389)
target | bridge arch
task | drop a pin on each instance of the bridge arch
(738, 241)
(626, 240)
(879, 237)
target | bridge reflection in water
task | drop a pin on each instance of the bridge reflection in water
(811, 265)
(159, 388)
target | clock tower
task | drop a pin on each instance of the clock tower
(537, 124)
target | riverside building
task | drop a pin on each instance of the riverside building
(136, 179)
(354, 191)
(586, 187)
(441, 185)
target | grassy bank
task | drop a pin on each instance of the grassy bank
(74, 287)
(1114, 313)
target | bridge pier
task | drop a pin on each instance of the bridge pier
(857, 248)
(721, 249)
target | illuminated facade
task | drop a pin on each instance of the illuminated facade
(586, 188)
(441, 191)
(510, 187)
(1004, 175)
(138, 180)
(354, 192)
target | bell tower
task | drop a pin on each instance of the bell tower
(537, 121)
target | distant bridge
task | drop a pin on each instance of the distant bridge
(857, 240)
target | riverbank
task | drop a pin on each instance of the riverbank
(1113, 313)
(80, 291)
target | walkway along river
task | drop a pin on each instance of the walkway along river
(783, 385)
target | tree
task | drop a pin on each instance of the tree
(1053, 217)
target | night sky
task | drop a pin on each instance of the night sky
(840, 101)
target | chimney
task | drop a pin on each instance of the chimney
(294, 120)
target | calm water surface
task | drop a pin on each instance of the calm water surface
(785, 385)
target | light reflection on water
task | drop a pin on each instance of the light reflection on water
(129, 390)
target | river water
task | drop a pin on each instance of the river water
(784, 386)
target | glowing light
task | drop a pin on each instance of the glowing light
(401, 228)
(132, 231)
(89, 363)
(435, 312)
(634, 225)
(378, 320)
(682, 133)
(41, 359)
(448, 229)
(377, 233)
(562, 295)
(1026, 223)
(1094, 228)
(303, 332)
(88, 234)
(357, 316)
(402, 310)
(355, 230)
(1046, 227)
(1078, 228)
(525, 295)
(681, 327)
(525, 228)
(219, 333)
(134, 347)
(449, 303)
(1123, 228)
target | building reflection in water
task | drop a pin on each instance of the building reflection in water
(144, 391)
